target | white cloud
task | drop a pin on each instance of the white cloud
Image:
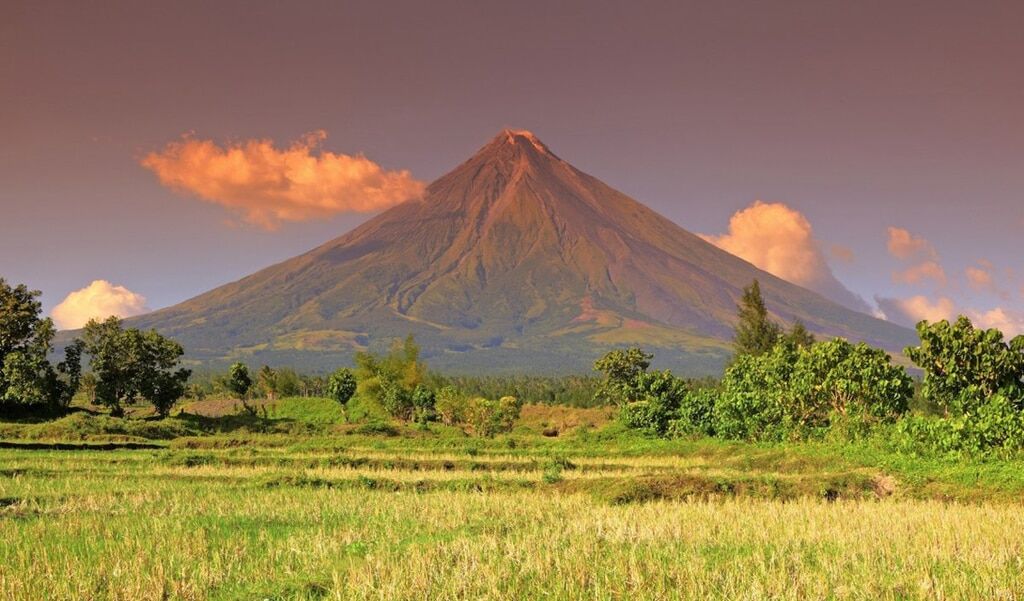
(98, 300)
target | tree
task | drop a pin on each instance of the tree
(799, 335)
(130, 363)
(756, 333)
(965, 366)
(423, 400)
(792, 388)
(342, 386)
(26, 375)
(622, 369)
(393, 379)
(239, 381)
(268, 381)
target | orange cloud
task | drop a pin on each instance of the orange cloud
(268, 185)
(780, 240)
(98, 300)
(979, 278)
(904, 245)
(1010, 323)
(915, 274)
(909, 311)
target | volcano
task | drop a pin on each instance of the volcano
(515, 261)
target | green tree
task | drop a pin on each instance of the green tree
(423, 401)
(756, 333)
(239, 381)
(342, 386)
(130, 363)
(622, 370)
(268, 381)
(26, 375)
(487, 418)
(799, 335)
(392, 379)
(965, 366)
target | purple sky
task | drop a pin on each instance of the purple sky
(859, 115)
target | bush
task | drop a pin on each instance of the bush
(488, 418)
(451, 406)
(803, 389)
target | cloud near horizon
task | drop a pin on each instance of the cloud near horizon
(780, 240)
(908, 311)
(268, 185)
(98, 300)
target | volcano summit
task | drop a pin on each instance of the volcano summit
(515, 260)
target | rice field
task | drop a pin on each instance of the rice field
(333, 513)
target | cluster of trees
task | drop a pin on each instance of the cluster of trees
(783, 384)
(125, 363)
(400, 383)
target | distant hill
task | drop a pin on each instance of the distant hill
(513, 261)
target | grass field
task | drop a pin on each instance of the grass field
(300, 507)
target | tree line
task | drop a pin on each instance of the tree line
(785, 385)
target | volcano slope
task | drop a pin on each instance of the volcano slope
(513, 261)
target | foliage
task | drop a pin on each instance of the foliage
(27, 377)
(394, 379)
(487, 418)
(423, 400)
(621, 369)
(341, 386)
(798, 334)
(756, 333)
(450, 405)
(267, 378)
(239, 380)
(654, 400)
(964, 367)
(805, 388)
(129, 363)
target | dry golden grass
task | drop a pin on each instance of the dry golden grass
(255, 523)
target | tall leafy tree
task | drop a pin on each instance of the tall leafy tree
(26, 339)
(268, 381)
(965, 366)
(130, 363)
(756, 333)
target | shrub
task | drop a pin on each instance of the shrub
(396, 400)
(488, 418)
(450, 405)
(423, 400)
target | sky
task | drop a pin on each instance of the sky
(152, 151)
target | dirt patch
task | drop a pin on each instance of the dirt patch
(556, 420)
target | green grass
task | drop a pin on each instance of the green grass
(305, 506)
